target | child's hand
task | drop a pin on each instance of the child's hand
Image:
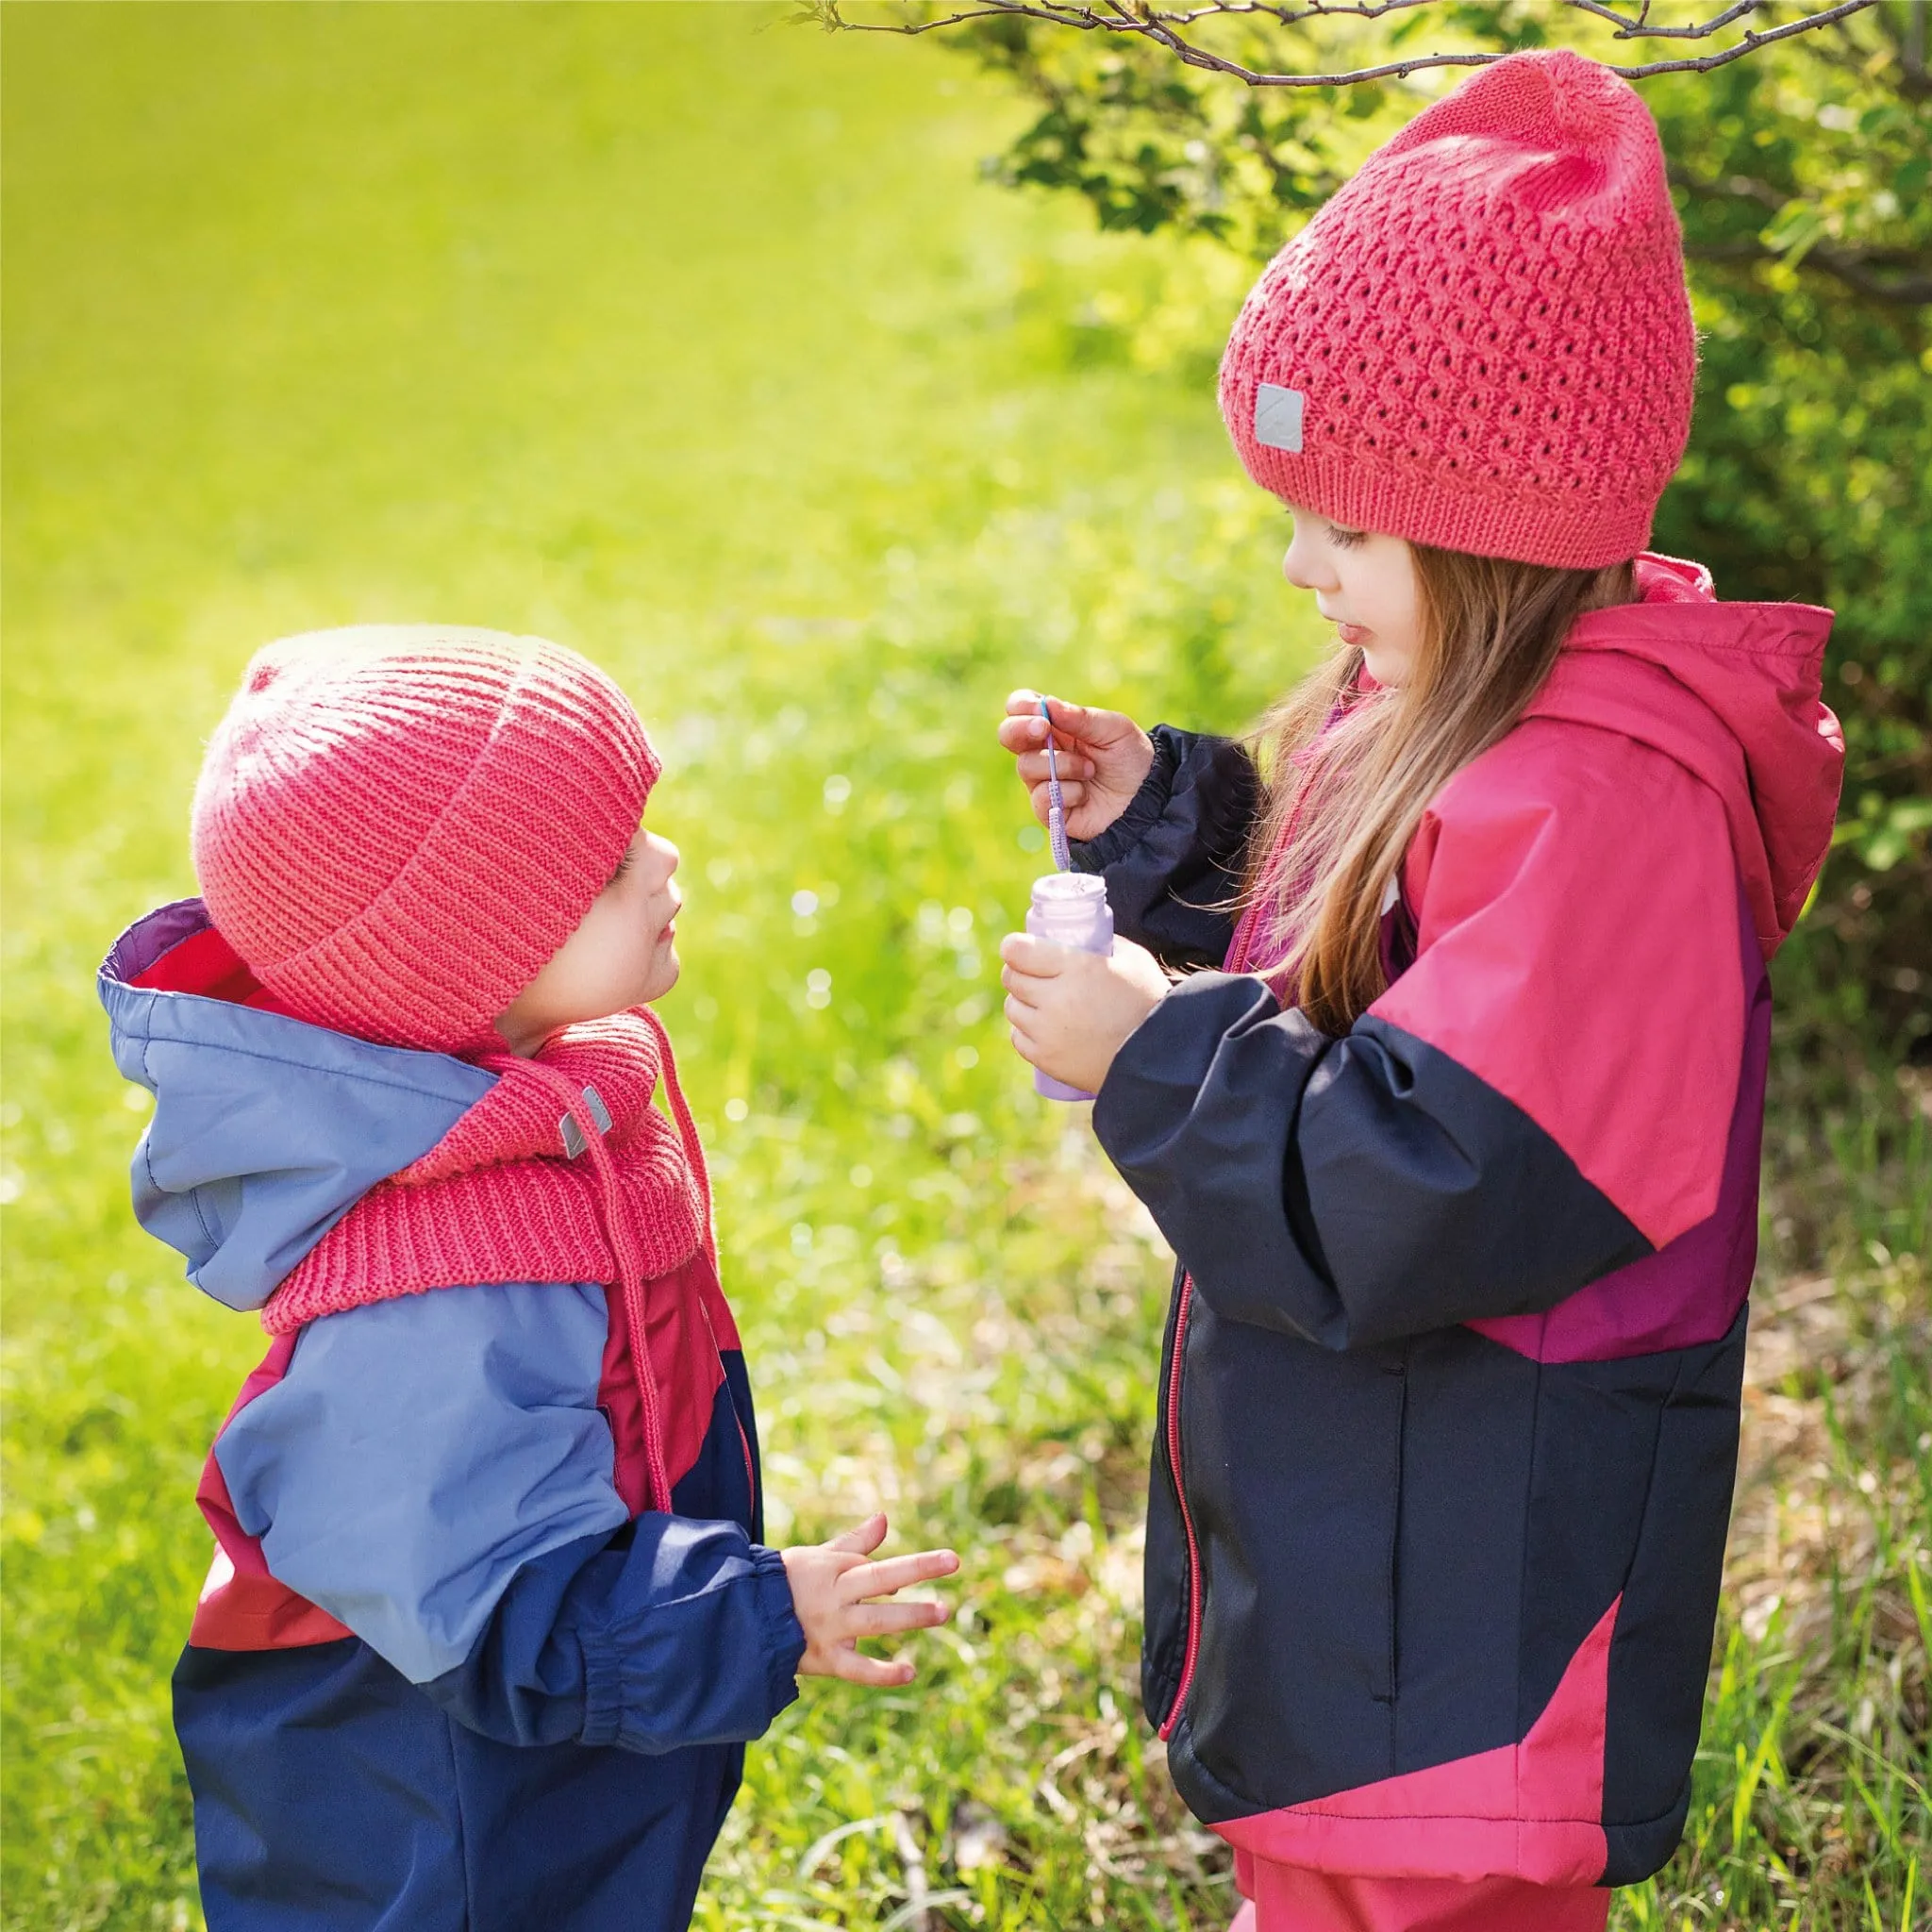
(1103, 757)
(1071, 1011)
(831, 1585)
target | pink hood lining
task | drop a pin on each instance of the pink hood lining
(1733, 694)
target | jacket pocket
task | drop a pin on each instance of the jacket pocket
(1292, 1464)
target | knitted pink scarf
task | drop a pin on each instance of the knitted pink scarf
(502, 1197)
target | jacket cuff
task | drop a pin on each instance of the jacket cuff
(784, 1633)
(1158, 1074)
(712, 1666)
(1145, 810)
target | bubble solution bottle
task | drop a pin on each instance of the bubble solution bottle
(1069, 908)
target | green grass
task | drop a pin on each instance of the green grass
(701, 348)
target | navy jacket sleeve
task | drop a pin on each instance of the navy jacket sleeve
(1352, 1190)
(1173, 859)
(681, 1632)
(435, 1473)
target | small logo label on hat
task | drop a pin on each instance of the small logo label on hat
(1278, 417)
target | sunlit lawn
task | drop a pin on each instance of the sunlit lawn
(702, 348)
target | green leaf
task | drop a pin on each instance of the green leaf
(1794, 230)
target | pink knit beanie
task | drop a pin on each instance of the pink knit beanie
(1483, 342)
(397, 825)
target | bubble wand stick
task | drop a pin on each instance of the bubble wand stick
(1055, 804)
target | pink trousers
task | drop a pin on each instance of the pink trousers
(1288, 1898)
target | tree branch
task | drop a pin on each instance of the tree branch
(1732, 188)
(1851, 266)
(1915, 82)
(1854, 266)
(1167, 28)
(1628, 29)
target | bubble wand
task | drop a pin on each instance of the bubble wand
(1055, 804)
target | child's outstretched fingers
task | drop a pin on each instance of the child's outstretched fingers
(866, 1616)
(836, 1596)
(900, 1573)
(862, 1539)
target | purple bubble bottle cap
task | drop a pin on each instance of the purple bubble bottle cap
(1056, 806)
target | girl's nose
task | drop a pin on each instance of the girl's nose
(1303, 568)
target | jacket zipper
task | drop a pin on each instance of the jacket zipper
(1173, 1464)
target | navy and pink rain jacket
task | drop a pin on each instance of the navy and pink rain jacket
(447, 1673)
(1449, 1397)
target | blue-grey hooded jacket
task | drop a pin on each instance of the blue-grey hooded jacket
(442, 1676)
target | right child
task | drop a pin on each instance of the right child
(1459, 1150)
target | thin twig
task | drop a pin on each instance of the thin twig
(1915, 83)
(1730, 188)
(916, 1915)
(1853, 267)
(1293, 16)
(1628, 29)
(1750, 43)
(1167, 29)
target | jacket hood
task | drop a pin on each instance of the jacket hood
(1731, 691)
(266, 1131)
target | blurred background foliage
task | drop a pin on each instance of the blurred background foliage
(1803, 176)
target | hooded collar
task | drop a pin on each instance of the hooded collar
(268, 1131)
(1732, 692)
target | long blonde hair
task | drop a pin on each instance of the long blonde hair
(1343, 802)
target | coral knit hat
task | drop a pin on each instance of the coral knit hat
(397, 825)
(1483, 342)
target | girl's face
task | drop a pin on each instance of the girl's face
(1365, 585)
(624, 953)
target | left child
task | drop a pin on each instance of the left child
(489, 1619)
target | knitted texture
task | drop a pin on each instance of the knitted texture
(397, 825)
(498, 1198)
(1483, 342)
